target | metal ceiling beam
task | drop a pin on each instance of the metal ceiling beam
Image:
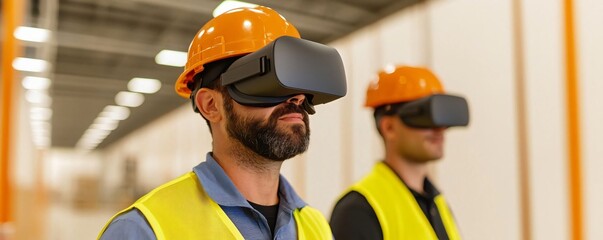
(105, 44)
(64, 83)
(102, 84)
(327, 7)
(117, 15)
(199, 6)
(301, 21)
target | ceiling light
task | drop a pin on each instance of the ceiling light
(98, 137)
(88, 144)
(32, 34)
(40, 128)
(35, 83)
(104, 126)
(40, 124)
(36, 96)
(115, 112)
(42, 141)
(144, 85)
(40, 113)
(171, 58)
(96, 133)
(129, 99)
(40, 132)
(105, 120)
(92, 137)
(85, 148)
(92, 142)
(30, 64)
(227, 5)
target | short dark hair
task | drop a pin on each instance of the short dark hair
(210, 78)
(385, 110)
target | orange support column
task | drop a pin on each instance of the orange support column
(573, 125)
(525, 196)
(11, 18)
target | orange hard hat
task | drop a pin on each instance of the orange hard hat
(402, 85)
(236, 32)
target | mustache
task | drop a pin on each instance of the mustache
(287, 109)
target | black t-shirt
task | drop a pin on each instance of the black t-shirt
(354, 218)
(269, 212)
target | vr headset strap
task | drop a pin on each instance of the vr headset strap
(247, 70)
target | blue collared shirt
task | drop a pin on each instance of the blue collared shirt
(250, 222)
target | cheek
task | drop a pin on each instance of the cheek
(253, 112)
(412, 139)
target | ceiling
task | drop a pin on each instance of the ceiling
(102, 44)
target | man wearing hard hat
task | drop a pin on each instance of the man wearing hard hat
(254, 81)
(396, 200)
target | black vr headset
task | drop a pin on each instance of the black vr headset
(435, 111)
(286, 67)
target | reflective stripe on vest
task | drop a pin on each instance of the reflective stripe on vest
(181, 209)
(398, 212)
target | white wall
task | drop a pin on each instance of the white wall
(164, 149)
(63, 166)
(24, 152)
(472, 54)
(545, 84)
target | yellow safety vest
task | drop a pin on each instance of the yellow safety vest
(399, 214)
(181, 209)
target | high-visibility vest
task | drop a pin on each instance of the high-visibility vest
(181, 209)
(399, 214)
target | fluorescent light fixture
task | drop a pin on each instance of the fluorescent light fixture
(35, 83)
(104, 123)
(42, 142)
(40, 124)
(129, 99)
(40, 113)
(171, 58)
(92, 139)
(38, 132)
(96, 133)
(106, 126)
(92, 142)
(115, 112)
(144, 85)
(87, 145)
(105, 120)
(41, 139)
(36, 96)
(85, 148)
(30, 64)
(32, 34)
(227, 5)
(40, 129)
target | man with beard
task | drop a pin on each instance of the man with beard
(397, 200)
(238, 192)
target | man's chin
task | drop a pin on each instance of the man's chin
(293, 130)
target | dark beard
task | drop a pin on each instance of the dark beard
(266, 139)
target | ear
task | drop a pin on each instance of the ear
(207, 101)
(386, 125)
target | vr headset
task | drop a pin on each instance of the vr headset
(435, 111)
(286, 67)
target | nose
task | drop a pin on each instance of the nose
(297, 99)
